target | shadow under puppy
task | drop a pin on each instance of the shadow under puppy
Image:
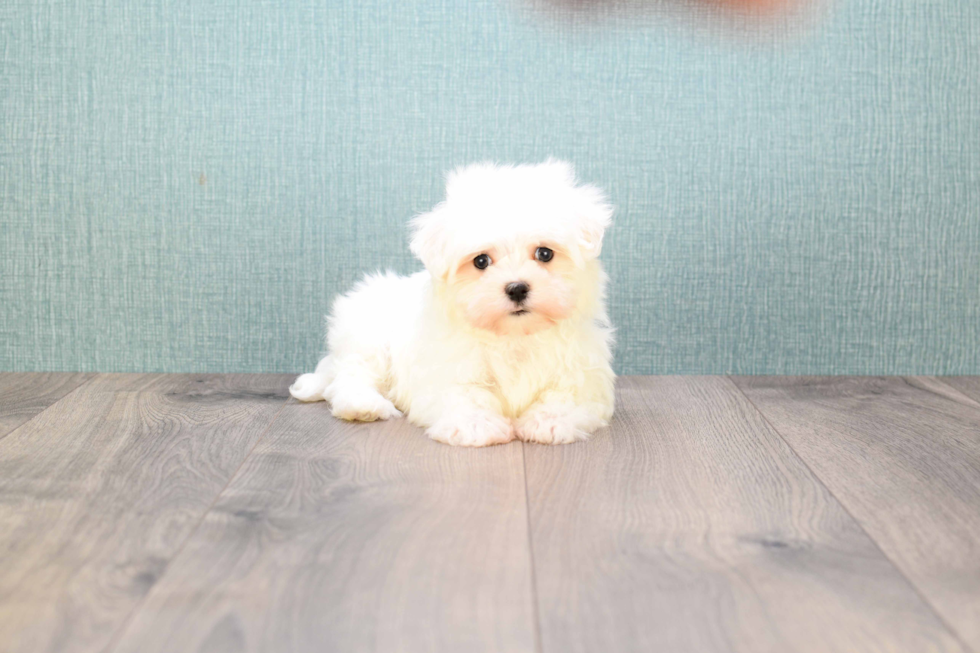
(504, 335)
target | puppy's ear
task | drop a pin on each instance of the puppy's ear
(594, 215)
(430, 242)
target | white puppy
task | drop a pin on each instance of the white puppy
(503, 335)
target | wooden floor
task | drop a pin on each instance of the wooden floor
(155, 513)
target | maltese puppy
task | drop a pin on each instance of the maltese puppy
(504, 335)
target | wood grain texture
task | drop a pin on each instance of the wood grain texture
(25, 394)
(352, 537)
(689, 525)
(968, 385)
(903, 455)
(98, 492)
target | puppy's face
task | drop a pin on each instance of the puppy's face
(515, 288)
(513, 248)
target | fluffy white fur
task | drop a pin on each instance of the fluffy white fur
(445, 347)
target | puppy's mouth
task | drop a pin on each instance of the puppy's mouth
(520, 312)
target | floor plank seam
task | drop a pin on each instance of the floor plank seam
(117, 637)
(91, 377)
(968, 400)
(915, 588)
(535, 607)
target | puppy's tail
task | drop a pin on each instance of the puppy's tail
(310, 387)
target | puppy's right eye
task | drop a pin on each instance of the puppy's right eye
(482, 262)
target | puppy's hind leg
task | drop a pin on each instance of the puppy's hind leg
(353, 394)
(310, 387)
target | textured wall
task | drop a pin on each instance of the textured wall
(184, 184)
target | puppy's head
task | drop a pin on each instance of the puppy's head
(513, 248)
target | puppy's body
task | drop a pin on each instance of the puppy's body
(456, 348)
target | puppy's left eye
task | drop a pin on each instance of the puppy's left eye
(543, 254)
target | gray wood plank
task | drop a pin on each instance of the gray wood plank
(968, 385)
(689, 525)
(352, 537)
(99, 491)
(25, 394)
(903, 456)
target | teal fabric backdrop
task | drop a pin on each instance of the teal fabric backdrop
(184, 185)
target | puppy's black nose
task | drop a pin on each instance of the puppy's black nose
(517, 291)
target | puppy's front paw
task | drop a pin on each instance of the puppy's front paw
(362, 406)
(472, 429)
(555, 424)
